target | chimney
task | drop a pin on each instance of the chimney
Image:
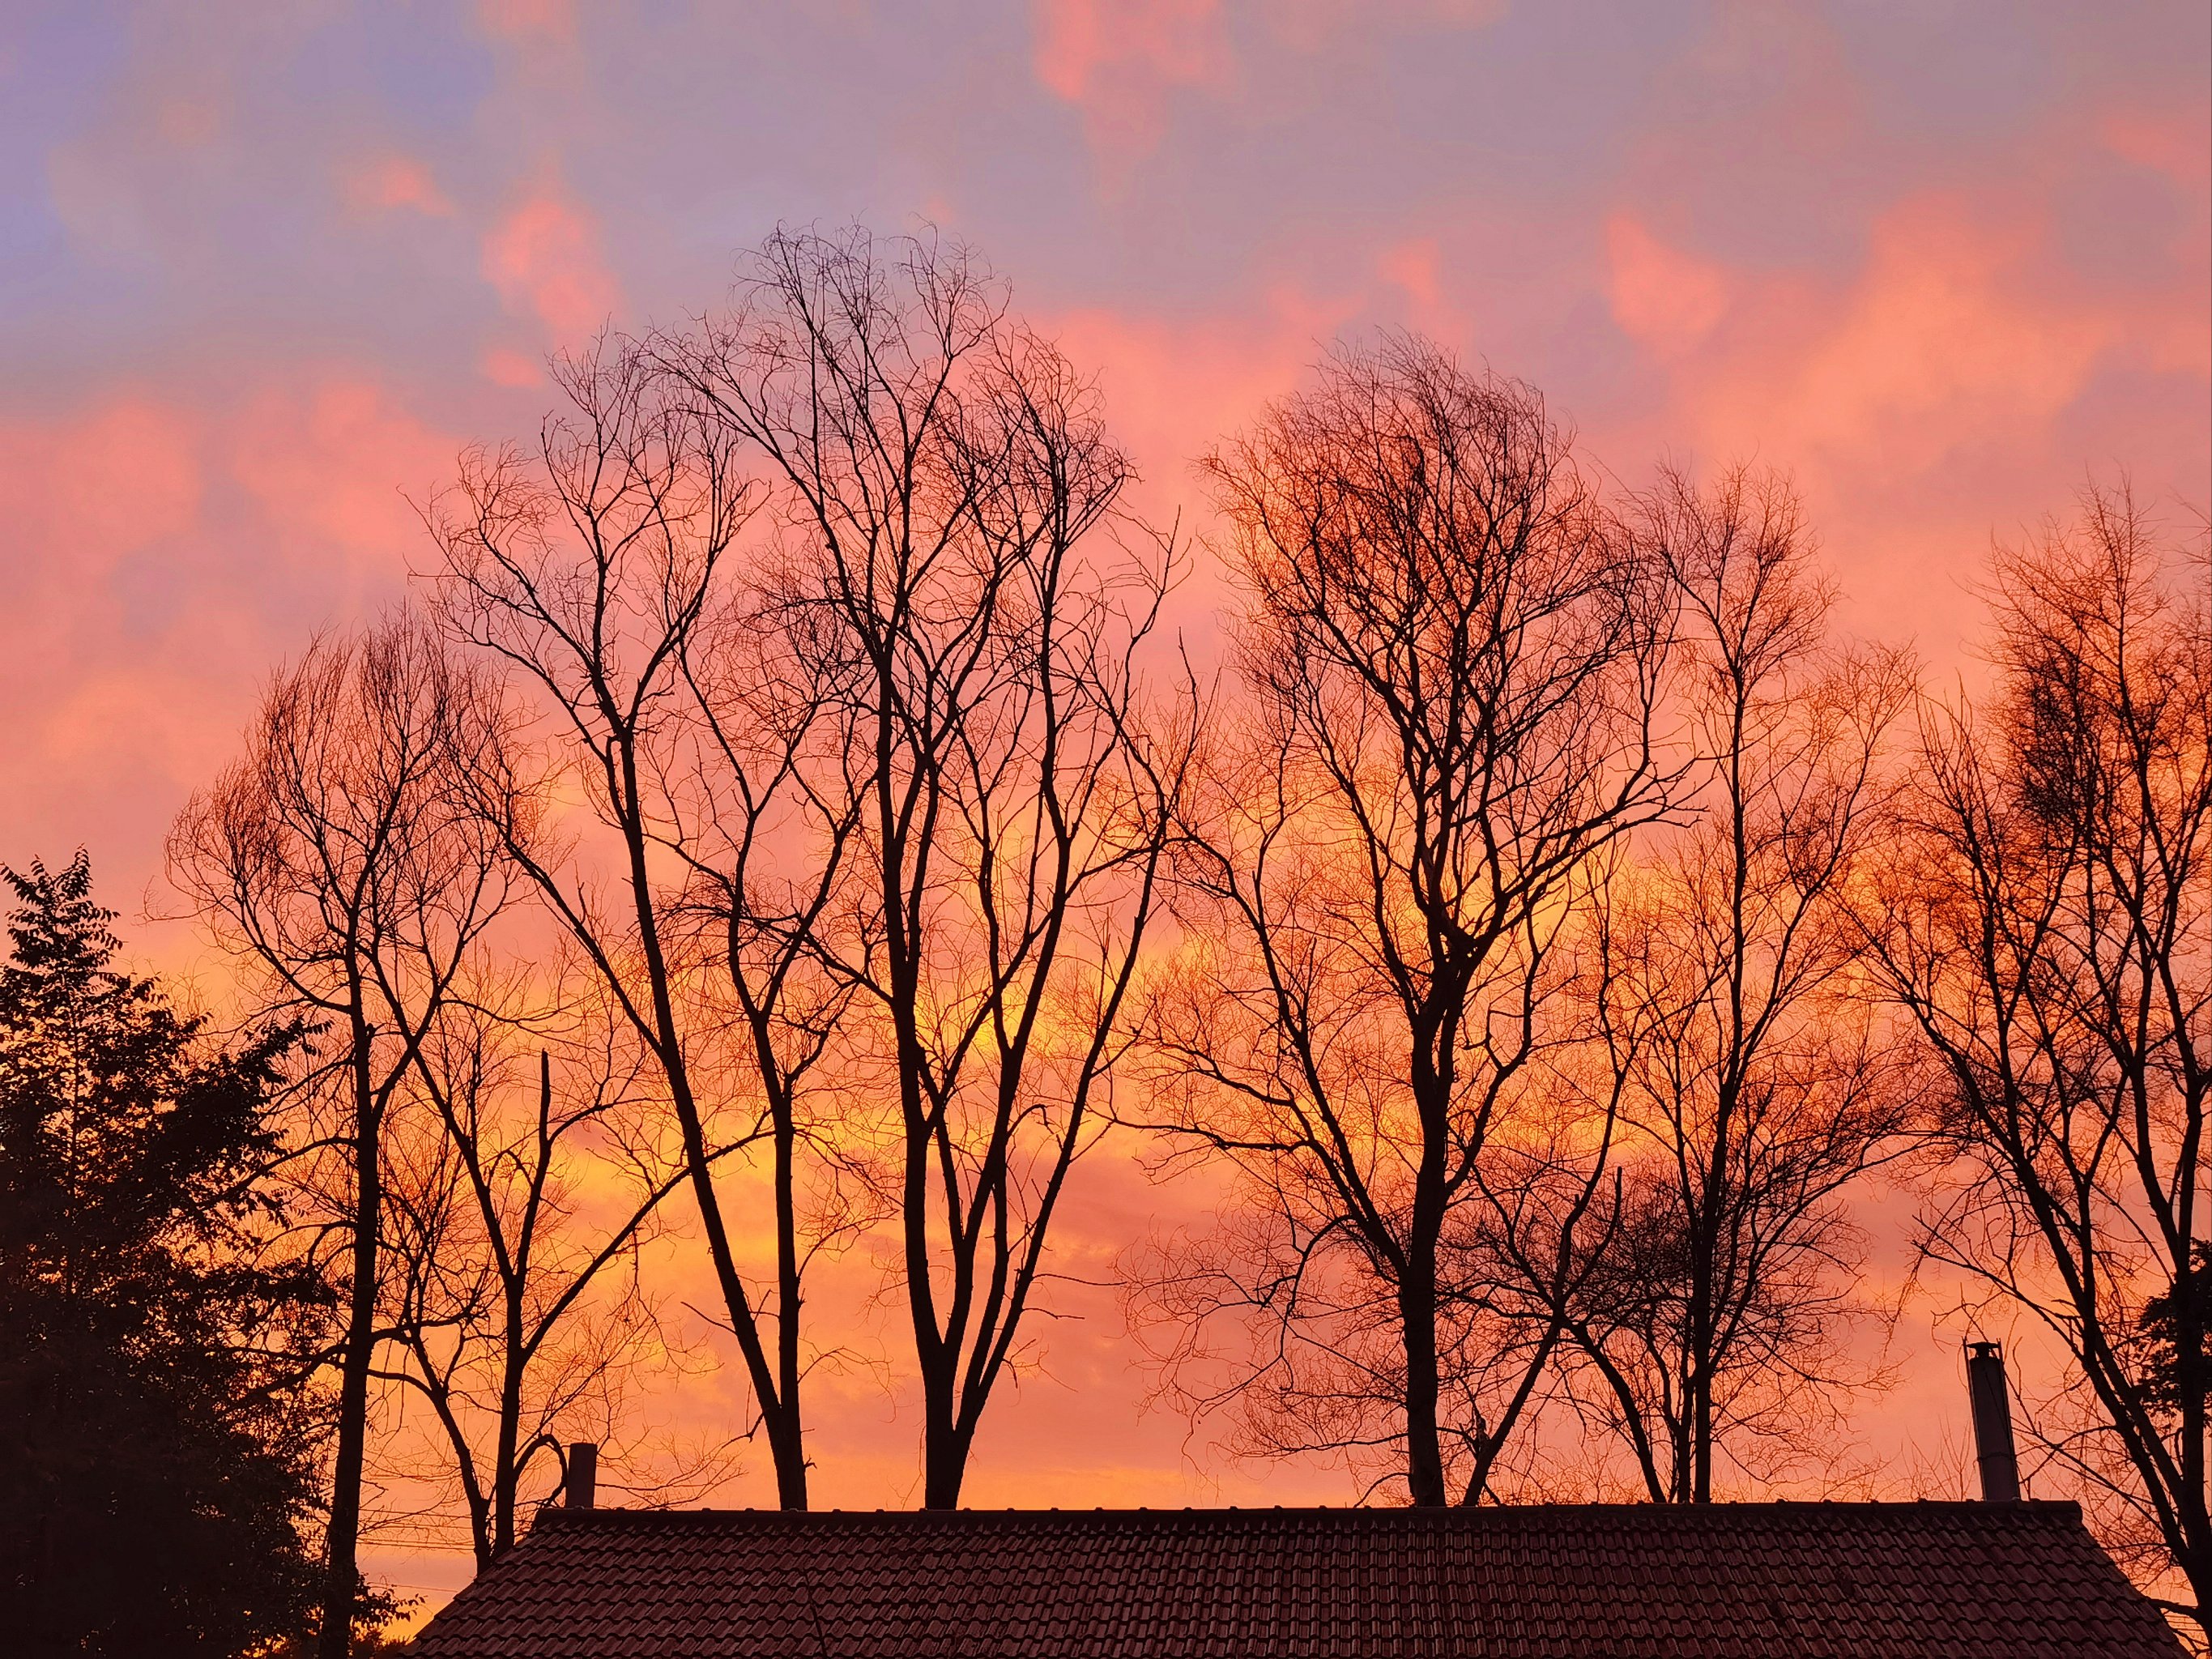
(1993, 1447)
(581, 1486)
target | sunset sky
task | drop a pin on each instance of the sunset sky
(264, 269)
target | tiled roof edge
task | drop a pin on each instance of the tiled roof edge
(2041, 1510)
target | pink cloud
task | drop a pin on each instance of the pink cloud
(503, 366)
(166, 555)
(1661, 297)
(393, 181)
(190, 120)
(2170, 142)
(1120, 61)
(1318, 25)
(1420, 270)
(544, 259)
(1931, 369)
(1175, 384)
(1924, 401)
(1117, 60)
(553, 21)
(1412, 266)
(1947, 338)
(332, 468)
(100, 486)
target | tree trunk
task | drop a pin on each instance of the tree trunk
(2189, 1363)
(343, 1573)
(779, 1414)
(1693, 1472)
(1417, 1313)
(944, 1461)
(504, 1473)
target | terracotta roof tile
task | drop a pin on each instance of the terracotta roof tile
(1754, 1581)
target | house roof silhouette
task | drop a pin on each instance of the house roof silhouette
(1738, 1581)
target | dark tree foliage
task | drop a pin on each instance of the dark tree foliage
(155, 1471)
(2159, 1336)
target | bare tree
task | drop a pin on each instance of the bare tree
(1452, 651)
(2048, 924)
(601, 567)
(1282, 1324)
(515, 1227)
(340, 859)
(1759, 1081)
(948, 501)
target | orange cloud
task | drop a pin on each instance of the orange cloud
(543, 257)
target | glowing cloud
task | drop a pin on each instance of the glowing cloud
(1662, 298)
(331, 468)
(1938, 345)
(553, 21)
(503, 366)
(391, 182)
(543, 257)
(104, 485)
(1116, 60)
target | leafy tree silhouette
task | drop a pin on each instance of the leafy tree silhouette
(157, 1453)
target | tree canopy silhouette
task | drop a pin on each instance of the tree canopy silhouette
(157, 1471)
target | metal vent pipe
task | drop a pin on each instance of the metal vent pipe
(580, 1488)
(1992, 1404)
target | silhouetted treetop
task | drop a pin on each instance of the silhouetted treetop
(156, 1466)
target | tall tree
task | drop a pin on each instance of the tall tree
(345, 862)
(1452, 650)
(601, 567)
(157, 1454)
(962, 578)
(2048, 924)
(1758, 1080)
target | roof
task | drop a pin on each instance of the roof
(1873, 1581)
